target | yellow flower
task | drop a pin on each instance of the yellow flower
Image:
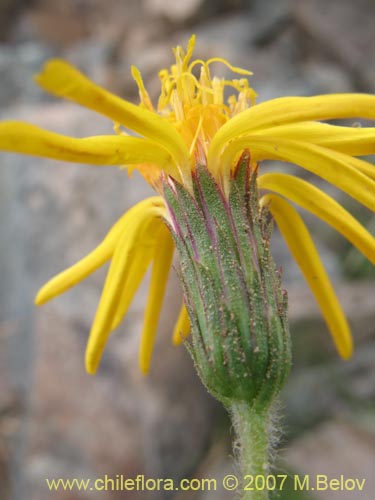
(194, 124)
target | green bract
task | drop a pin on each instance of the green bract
(232, 289)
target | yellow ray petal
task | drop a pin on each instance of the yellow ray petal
(141, 260)
(63, 80)
(109, 299)
(362, 166)
(182, 328)
(348, 140)
(337, 168)
(20, 137)
(353, 141)
(159, 277)
(283, 110)
(140, 257)
(111, 295)
(320, 204)
(76, 273)
(303, 250)
(91, 262)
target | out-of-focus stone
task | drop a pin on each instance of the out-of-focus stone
(215, 466)
(330, 25)
(357, 301)
(316, 393)
(325, 451)
(327, 76)
(174, 11)
(189, 10)
(272, 20)
(8, 10)
(18, 65)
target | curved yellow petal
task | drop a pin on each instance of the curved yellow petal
(337, 168)
(303, 250)
(365, 167)
(139, 257)
(323, 206)
(284, 110)
(122, 261)
(61, 79)
(76, 273)
(91, 262)
(182, 328)
(159, 277)
(353, 141)
(20, 137)
(141, 260)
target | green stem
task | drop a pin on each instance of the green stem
(252, 447)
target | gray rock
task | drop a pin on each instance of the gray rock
(331, 26)
(18, 64)
(325, 451)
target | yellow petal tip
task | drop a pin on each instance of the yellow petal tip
(178, 339)
(144, 368)
(347, 353)
(135, 72)
(91, 364)
(90, 372)
(40, 298)
(50, 65)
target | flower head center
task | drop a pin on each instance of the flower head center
(197, 105)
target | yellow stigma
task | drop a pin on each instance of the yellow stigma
(196, 105)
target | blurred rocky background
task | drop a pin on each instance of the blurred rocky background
(55, 420)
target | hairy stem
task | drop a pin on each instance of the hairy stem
(252, 449)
